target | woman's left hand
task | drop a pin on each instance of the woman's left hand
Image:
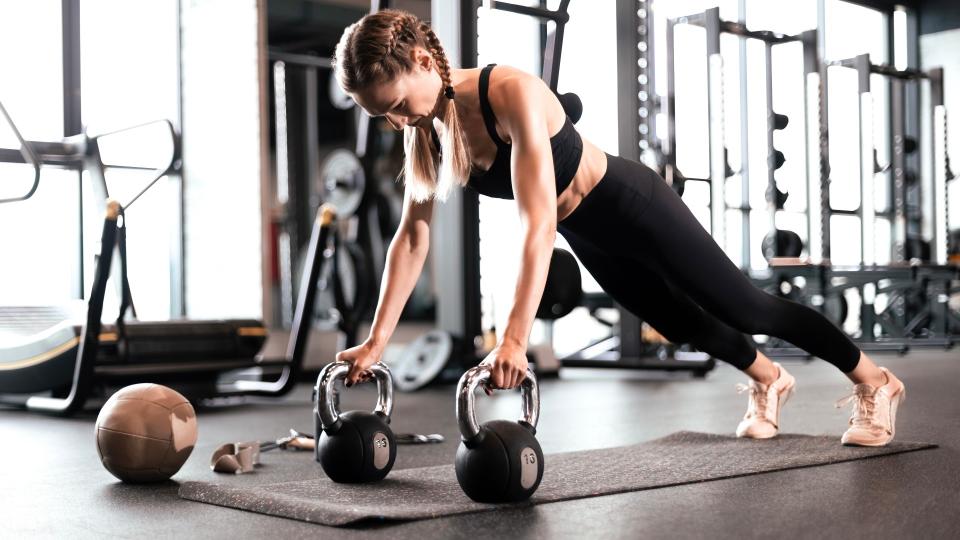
(508, 366)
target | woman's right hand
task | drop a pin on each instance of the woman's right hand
(360, 358)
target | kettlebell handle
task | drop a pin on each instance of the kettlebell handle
(466, 404)
(326, 407)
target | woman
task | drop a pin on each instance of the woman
(503, 133)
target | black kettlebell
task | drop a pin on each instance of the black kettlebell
(500, 461)
(356, 446)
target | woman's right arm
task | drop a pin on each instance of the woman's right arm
(405, 257)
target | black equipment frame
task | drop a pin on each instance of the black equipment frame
(625, 347)
(927, 286)
(82, 152)
(720, 169)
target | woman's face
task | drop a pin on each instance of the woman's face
(407, 100)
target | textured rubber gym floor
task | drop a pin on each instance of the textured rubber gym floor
(52, 484)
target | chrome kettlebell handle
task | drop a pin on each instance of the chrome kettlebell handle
(466, 404)
(326, 406)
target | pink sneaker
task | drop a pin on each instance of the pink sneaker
(874, 418)
(762, 420)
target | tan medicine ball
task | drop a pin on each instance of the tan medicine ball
(145, 433)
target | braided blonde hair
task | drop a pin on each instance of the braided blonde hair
(376, 50)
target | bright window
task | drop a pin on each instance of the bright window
(40, 236)
(129, 75)
(31, 87)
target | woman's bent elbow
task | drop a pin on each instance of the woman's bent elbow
(417, 243)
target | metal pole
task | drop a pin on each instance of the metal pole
(811, 90)
(941, 168)
(471, 329)
(648, 90)
(717, 150)
(744, 145)
(899, 163)
(912, 96)
(671, 138)
(824, 138)
(629, 123)
(178, 291)
(456, 236)
(551, 62)
(771, 179)
(867, 172)
(72, 121)
(283, 191)
(311, 157)
(628, 87)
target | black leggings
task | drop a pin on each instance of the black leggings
(648, 251)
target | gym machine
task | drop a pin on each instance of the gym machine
(353, 176)
(917, 283)
(330, 153)
(306, 179)
(720, 169)
(68, 352)
(632, 344)
(906, 187)
(781, 247)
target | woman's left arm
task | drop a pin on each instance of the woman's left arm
(534, 188)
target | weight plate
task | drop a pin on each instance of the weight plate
(421, 361)
(338, 98)
(342, 181)
(351, 272)
(786, 243)
(357, 288)
(563, 289)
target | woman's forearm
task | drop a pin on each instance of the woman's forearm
(405, 260)
(535, 263)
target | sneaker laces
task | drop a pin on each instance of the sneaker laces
(864, 406)
(758, 400)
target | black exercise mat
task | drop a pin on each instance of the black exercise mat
(428, 492)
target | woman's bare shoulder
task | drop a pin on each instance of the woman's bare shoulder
(507, 77)
(512, 88)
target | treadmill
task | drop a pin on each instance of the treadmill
(53, 357)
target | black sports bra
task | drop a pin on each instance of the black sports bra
(495, 182)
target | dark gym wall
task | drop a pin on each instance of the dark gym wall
(316, 25)
(310, 26)
(939, 15)
(934, 15)
(887, 5)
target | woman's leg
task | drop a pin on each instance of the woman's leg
(633, 211)
(653, 299)
(696, 263)
(763, 370)
(691, 258)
